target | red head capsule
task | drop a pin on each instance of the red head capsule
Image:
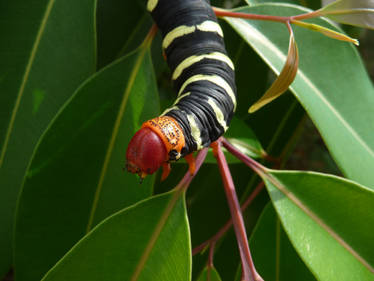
(146, 153)
(149, 148)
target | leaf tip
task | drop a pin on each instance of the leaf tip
(254, 108)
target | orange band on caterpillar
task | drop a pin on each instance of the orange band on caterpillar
(169, 131)
(152, 145)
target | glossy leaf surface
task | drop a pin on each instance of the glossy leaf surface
(353, 12)
(44, 56)
(313, 4)
(336, 112)
(252, 81)
(273, 254)
(240, 131)
(329, 221)
(147, 241)
(77, 168)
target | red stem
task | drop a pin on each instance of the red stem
(211, 254)
(249, 270)
(257, 167)
(305, 16)
(225, 13)
(228, 224)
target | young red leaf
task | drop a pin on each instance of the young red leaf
(284, 79)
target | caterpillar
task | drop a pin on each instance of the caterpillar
(204, 78)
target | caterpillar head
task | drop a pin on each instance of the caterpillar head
(159, 140)
(146, 153)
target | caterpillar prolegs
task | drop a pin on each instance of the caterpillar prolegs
(203, 76)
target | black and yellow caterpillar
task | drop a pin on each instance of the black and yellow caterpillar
(204, 78)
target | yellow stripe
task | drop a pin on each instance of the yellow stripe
(169, 109)
(210, 26)
(219, 114)
(181, 97)
(182, 30)
(151, 5)
(214, 79)
(195, 131)
(194, 59)
(176, 102)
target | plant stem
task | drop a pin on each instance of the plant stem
(225, 13)
(254, 165)
(305, 16)
(228, 224)
(249, 270)
(211, 254)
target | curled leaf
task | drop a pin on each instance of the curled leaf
(326, 31)
(353, 12)
(284, 79)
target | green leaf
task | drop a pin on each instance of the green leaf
(273, 254)
(242, 135)
(353, 12)
(113, 39)
(147, 241)
(328, 75)
(246, 147)
(209, 274)
(329, 221)
(243, 138)
(252, 79)
(313, 4)
(45, 55)
(75, 179)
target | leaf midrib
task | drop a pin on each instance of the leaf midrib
(25, 79)
(319, 221)
(113, 137)
(156, 234)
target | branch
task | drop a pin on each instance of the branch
(249, 270)
(226, 13)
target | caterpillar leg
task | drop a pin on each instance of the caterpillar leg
(165, 170)
(214, 145)
(191, 163)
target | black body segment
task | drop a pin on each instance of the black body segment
(202, 73)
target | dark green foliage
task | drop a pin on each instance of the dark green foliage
(76, 84)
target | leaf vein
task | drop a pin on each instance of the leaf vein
(25, 79)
